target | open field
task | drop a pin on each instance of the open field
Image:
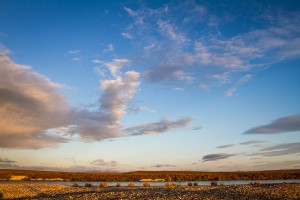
(40, 191)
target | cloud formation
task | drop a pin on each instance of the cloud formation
(161, 126)
(29, 105)
(213, 157)
(208, 57)
(34, 115)
(281, 125)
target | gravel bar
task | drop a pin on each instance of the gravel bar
(47, 191)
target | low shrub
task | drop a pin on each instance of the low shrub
(131, 184)
(75, 185)
(195, 184)
(146, 184)
(104, 185)
(170, 185)
(190, 184)
(88, 185)
(214, 183)
(118, 185)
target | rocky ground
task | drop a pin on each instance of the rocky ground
(40, 191)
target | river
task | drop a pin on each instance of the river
(183, 183)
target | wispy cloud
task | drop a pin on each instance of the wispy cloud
(163, 166)
(116, 65)
(163, 125)
(219, 156)
(99, 71)
(73, 52)
(179, 89)
(77, 60)
(281, 125)
(209, 58)
(195, 128)
(109, 48)
(250, 142)
(226, 146)
(101, 162)
(239, 82)
(281, 149)
(127, 35)
(6, 161)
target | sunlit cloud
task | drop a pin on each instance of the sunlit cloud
(116, 65)
(35, 115)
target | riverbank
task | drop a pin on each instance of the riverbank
(48, 191)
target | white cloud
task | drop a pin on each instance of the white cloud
(98, 61)
(117, 94)
(130, 12)
(180, 75)
(179, 89)
(73, 52)
(77, 60)
(171, 32)
(99, 71)
(244, 79)
(109, 48)
(127, 35)
(207, 52)
(204, 86)
(116, 65)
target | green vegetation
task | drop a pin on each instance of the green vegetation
(167, 175)
(170, 185)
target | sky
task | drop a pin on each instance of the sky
(149, 85)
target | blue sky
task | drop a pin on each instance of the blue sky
(149, 85)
